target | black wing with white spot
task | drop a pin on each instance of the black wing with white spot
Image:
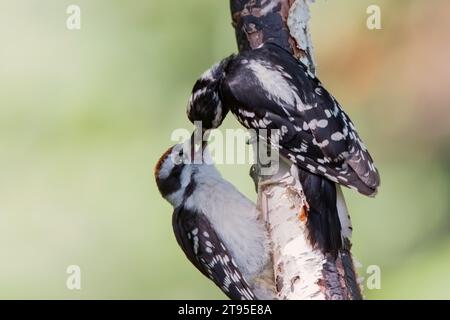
(206, 251)
(267, 88)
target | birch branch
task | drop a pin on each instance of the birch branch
(300, 271)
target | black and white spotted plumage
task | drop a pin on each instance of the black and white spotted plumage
(204, 248)
(218, 228)
(267, 88)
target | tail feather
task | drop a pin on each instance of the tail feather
(324, 227)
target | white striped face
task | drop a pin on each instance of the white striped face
(173, 175)
(205, 104)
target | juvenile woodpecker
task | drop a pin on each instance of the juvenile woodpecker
(267, 88)
(217, 227)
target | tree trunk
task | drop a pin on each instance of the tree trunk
(301, 271)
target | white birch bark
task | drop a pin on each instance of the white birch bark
(297, 266)
(301, 272)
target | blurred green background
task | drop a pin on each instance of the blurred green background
(84, 116)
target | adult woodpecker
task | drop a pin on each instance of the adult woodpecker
(267, 88)
(216, 226)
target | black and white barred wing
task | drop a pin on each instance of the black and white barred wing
(269, 89)
(206, 251)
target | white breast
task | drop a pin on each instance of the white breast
(234, 218)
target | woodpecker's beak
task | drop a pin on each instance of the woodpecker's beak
(198, 144)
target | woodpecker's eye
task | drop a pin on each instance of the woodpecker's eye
(177, 155)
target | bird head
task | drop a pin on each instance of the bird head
(205, 105)
(173, 175)
(176, 172)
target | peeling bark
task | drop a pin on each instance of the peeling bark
(300, 270)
